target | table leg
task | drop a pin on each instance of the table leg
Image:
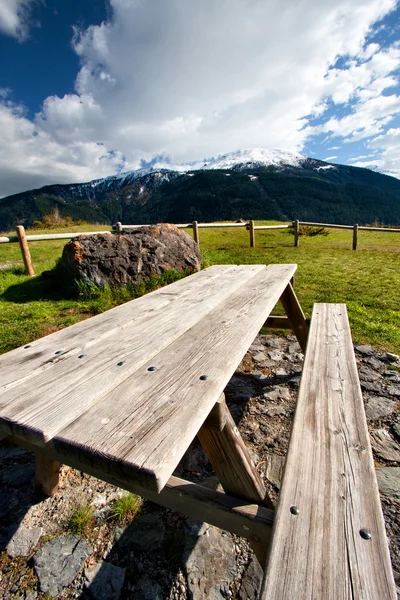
(47, 472)
(295, 315)
(231, 461)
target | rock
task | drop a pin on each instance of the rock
(146, 533)
(259, 356)
(392, 376)
(274, 341)
(19, 475)
(389, 481)
(275, 466)
(251, 581)
(104, 581)
(396, 429)
(129, 258)
(375, 388)
(393, 390)
(240, 390)
(281, 372)
(31, 596)
(146, 589)
(378, 407)
(365, 350)
(384, 445)
(59, 561)
(275, 410)
(373, 362)
(278, 393)
(209, 561)
(367, 374)
(275, 355)
(23, 541)
(391, 357)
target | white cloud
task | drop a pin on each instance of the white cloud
(194, 79)
(329, 158)
(388, 146)
(15, 18)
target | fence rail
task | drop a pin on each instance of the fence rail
(23, 239)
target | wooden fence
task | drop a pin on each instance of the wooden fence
(23, 239)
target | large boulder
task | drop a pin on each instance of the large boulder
(129, 258)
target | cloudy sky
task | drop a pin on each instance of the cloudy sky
(89, 88)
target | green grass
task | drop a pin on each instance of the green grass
(125, 508)
(367, 280)
(81, 520)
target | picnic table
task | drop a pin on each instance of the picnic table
(122, 395)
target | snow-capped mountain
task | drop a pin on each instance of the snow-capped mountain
(248, 183)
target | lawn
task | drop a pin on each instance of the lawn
(367, 280)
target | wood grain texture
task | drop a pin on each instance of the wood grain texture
(46, 474)
(295, 315)
(26, 255)
(231, 461)
(145, 424)
(329, 475)
(89, 364)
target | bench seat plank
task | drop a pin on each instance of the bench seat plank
(141, 428)
(330, 477)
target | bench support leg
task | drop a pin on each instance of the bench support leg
(231, 461)
(47, 472)
(295, 315)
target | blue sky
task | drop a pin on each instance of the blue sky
(90, 88)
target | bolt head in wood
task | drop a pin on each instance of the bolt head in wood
(121, 364)
(81, 355)
(203, 377)
(58, 352)
(294, 510)
(365, 534)
(152, 369)
(28, 346)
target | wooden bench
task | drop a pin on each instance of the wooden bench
(329, 540)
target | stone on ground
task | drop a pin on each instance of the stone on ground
(23, 541)
(384, 445)
(129, 258)
(251, 581)
(378, 407)
(209, 561)
(389, 481)
(59, 561)
(146, 533)
(104, 581)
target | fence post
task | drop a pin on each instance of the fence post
(355, 236)
(26, 255)
(296, 232)
(195, 226)
(252, 234)
(118, 227)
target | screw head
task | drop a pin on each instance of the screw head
(81, 355)
(152, 369)
(58, 352)
(203, 377)
(28, 346)
(294, 510)
(365, 534)
(121, 364)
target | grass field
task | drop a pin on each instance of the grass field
(367, 280)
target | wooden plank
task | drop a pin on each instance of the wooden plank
(296, 233)
(331, 225)
(26, 255)
(227, 512)
(47, 473)
(196, 232)
(295, 315)
(217, 416)
(231, 461)
(330, 478)
(355, 236)
(135, 428)
(209, 286)
(252, 235)
(272, 226)
(49, 399)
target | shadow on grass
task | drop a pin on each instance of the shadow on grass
(35, 289)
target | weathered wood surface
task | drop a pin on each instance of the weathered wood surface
(125, 418)
(47, 472)
(319, 553)
(295, 315)
(26, 255)
(250, 521)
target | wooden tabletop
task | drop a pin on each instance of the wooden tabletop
(125, 392)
